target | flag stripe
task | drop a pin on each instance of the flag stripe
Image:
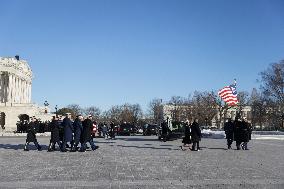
(229, 95)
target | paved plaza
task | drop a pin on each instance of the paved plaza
(143, 162)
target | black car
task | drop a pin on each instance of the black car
(127, 129)
(150, 130)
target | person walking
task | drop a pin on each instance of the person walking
(68, 132)
(246, 130)
(195, 135)
(229, 131)
(165, 130)
(187, 138)
(87, 135)
(78, 128)
(238, 132)
(104, 130)
(54, 139)
(31, 135)
(111, 131)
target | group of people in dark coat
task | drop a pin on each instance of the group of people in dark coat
(239, 131)
(79, 131)
(192, 136)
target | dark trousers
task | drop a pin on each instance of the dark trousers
(195, 144)
(229, 142)
(84, 145)
(64, 143)
(51, 146)
(36, 144)
(238, 145)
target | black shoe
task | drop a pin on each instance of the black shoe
(26, 150)
(50, 150)
(39, 148)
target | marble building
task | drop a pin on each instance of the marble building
(16, 93)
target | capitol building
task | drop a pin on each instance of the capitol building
(16, 93)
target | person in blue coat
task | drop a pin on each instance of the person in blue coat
(68, 132)
(78, 128)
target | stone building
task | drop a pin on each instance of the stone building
(180, 112)
(16, 93)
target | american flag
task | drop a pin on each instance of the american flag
(229, 94)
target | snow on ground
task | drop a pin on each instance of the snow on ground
(258, 135)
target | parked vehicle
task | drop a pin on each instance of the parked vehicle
(127, 129)
(150, 130)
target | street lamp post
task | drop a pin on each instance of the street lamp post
(46, 104)
(56, 109)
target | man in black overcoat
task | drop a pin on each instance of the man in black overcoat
(111, 130)
(246, 133)
(229, 131)
(187, 135)
(78, 128)
(165, 130)
(195, 135)
(54, 139)
(68, 132)
(238, 132)
(31, 135)
(87, 134)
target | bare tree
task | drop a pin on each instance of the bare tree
(272, 87)
(258, 108)
(155, 110)
(94, 111)
(76, 110)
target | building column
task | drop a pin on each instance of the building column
(1, 87)
(9, 88)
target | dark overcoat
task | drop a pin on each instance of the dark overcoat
(187, 137)
(31, 132)
(78, 128)
(246, 132)
(87, 130)
(195, 132)
(54, 127)
(238, 131)
(68, 129)
(229, 130)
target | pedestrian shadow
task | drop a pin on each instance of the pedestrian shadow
(213, 148)
(137, 139)
(103, 142)
(145, 147)
(20, 147)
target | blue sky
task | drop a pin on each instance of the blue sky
(107, 52)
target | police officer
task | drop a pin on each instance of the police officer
(229, 131)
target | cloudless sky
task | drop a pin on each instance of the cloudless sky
(110, 52)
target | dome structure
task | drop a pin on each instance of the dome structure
(16, 67)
